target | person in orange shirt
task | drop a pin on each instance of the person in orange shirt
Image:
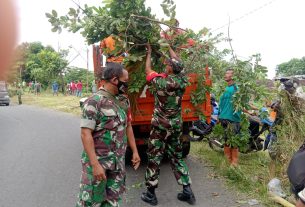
(108, 47)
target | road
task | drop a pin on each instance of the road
(40, 165)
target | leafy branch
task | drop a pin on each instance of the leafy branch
(156, 21)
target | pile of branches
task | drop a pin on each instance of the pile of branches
(133, 25)
(291, 130)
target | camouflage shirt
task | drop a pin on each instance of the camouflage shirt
(168, 91)
(108, 120)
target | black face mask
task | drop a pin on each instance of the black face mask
(122, 87)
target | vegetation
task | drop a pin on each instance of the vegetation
(251, 177)
(290, 132)
(133, 26)
(68, 104)
(294, 66)
(36, 62)
(75, 74)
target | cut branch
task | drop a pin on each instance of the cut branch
(156, 21)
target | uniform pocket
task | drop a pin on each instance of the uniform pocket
(86, 185)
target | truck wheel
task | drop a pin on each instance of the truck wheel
(186, 145)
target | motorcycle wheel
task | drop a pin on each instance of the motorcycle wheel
(194, 137)
(215, 144)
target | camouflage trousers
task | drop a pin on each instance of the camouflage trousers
(163, 142)
(95, 194)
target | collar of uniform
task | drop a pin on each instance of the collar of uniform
(103, 89)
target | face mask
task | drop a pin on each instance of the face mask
(122, 87)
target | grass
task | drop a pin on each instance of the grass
(69, 104)
(250, 178)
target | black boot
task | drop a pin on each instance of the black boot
(150, 197)
(187, 195)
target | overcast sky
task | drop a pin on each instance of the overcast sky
(274, 28)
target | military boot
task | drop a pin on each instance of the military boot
(150, 197)
(187, 195)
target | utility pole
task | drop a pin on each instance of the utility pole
(61, 72)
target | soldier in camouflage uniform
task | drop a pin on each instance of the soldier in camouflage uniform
(168, 89)
(105, 131)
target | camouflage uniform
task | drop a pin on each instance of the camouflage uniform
(166, 128)
(19, 93)
(106, 115)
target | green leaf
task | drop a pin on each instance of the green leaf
(54, 29)
(96, 9)
(48, 15)
(54, 13)
(72, 12)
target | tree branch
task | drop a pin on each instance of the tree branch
(135, 45)
(234, 57)
(156, 21)
(78, 5)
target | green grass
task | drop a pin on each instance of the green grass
(250, 178)
(69, 104)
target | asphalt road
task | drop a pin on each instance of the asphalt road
(40, 165)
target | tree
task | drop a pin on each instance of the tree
(46, 65)
(37, 62)
(76, 74)
(292, 67)
(18, 71)
(133, 25)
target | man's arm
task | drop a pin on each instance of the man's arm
(132, 144)
(173, 54)
(148, 69)
(87, 139)
(150, 74)
(252, 107)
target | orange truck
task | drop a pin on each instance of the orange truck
(145, 105)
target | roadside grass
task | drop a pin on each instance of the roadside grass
(250, 178)
(69, 104)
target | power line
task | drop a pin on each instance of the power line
(246, 15)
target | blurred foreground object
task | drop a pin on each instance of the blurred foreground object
(8, 34)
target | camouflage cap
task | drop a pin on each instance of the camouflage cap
(176, 65)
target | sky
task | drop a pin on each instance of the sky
(273, 28)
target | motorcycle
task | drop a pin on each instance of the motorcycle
(201, 130)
